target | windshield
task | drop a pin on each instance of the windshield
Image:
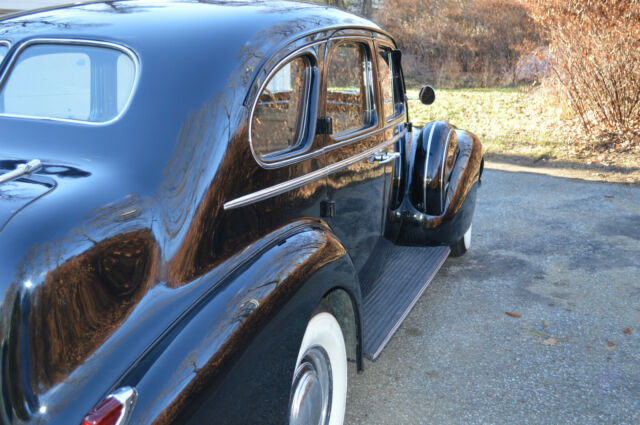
(75, 82)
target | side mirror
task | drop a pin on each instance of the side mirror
(427, 95)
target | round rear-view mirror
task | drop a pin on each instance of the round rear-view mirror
(427, 95)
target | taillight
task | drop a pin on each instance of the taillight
(113, 410)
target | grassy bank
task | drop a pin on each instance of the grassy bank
(527, 126)
(508, 121)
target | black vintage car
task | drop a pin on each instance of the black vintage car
(207, 209)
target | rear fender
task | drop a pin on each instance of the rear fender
(231, 358)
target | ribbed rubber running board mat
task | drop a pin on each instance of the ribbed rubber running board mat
(406, 273)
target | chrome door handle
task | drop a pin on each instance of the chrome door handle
(21, 170)
(384, 157)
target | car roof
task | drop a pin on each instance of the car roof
(139, 22)
(192, 56)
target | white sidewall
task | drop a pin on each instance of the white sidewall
(324, 330)
(467, 238)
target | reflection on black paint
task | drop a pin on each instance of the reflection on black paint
(84, 300)
(159, 229)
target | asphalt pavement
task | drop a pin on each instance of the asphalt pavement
(538, 324)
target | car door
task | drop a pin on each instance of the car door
(393, 107)
(355, 150)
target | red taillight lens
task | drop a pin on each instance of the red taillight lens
(106, 413)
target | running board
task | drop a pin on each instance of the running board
(405, 272)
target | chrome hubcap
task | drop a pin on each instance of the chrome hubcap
(311, 389)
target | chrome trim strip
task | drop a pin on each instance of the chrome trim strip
(325, 149)
(300, 181)
(426, 168)
(73, 42)
(6, 44)
(359, 137)
(444, 165)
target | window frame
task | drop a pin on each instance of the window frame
(6, 44)
(15, 56)
(370, 84)
(300, 151)
(396, 89)
(303, 119)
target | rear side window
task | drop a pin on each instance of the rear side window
(3, 50)
(386, 71)
(76, 82)
(349, 101)
(280, 118)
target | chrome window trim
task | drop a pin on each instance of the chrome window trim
(349, 138)
(356, 132)
(361, 135)
(425, 183)
(6, 44)
(380, 45)
(325, 149)
(302, 51)
(73, 42)
(300, 181)
(331, 33)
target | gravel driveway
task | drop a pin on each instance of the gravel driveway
(562, 257)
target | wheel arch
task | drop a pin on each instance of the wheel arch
(252, 321)
(346, 309)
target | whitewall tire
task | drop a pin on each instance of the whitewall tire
(319, 386)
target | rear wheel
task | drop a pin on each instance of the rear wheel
(462, 246)
(319, 387)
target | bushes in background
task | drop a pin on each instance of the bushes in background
(453, 43)
(594, 52)
(590, 48)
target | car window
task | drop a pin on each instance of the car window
(86, 83)
(3, 50)
(348, 81)
(392, 105)
(280, 117)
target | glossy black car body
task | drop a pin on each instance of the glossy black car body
(156, 252)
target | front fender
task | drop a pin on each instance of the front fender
(231, 358)
(443, 176)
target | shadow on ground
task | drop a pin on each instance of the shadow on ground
(565, 169)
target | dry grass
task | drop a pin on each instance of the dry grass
(526, 124)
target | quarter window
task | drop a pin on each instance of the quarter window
(85, 83)
(386, 71)
(279, 121)
(3, 51)
(349, 101)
